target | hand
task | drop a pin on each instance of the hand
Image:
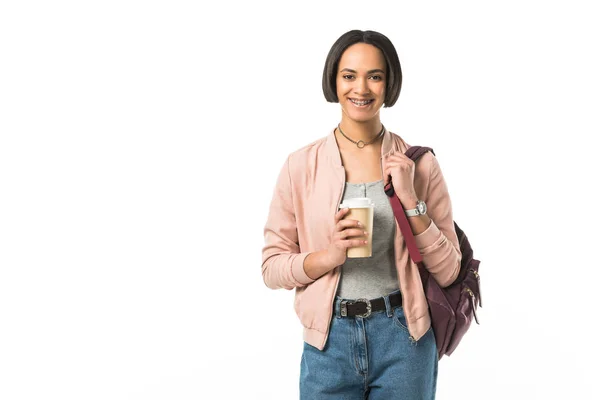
(402, 172)
(346, 234)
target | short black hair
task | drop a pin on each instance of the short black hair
(394, 72)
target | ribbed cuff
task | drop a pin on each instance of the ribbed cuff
(428, 237)
(297, 269)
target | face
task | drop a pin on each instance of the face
(361, 81)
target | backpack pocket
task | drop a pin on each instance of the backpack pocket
(466, 308)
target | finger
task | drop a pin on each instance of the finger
(403, 166)
(353, 233)
(343, 235)
(387, 173)
(340, 214)
(357, 233)
(348, 223)
(398, 156)
(398, 163)
(353, 243)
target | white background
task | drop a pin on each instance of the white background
(140, 144)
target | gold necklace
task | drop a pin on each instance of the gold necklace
(358, 144)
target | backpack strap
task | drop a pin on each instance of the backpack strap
(415, 152)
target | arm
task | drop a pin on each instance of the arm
(434, 233)
(282, 262)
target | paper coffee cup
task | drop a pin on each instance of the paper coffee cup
(360, 209)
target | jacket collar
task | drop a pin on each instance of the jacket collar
(333, 152)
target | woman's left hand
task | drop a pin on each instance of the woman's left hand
(402, 170)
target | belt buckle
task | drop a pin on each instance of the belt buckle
(344, 309)
(365, 315)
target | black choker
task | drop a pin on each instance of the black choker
(360, 144)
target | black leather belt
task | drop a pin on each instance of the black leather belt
(363, 307)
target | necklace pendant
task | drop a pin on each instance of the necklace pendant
(360, 144)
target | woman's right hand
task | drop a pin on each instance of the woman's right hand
(347, 233)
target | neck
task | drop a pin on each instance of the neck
(365, 131)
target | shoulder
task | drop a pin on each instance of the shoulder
(308, 149)
(425, 163)
(306, 155)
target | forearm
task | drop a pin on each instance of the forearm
(317, 264)
(440, 255)
(418, 223)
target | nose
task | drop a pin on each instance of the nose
(361, 87)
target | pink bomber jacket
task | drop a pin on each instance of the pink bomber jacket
(307, 195)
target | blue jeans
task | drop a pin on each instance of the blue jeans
(370, 358)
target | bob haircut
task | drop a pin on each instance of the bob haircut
(393, 73)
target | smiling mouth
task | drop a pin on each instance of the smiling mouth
(361, 103)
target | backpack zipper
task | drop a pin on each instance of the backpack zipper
(478, 284)
(472, 295)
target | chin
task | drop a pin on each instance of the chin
(361, 116)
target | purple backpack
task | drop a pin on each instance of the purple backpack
(451, 308)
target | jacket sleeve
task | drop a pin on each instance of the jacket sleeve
(282, 262)
(438, 244)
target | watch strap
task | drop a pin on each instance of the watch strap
(412, 213)
(418, 210)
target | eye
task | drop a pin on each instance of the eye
(347, 76)
(376, 77)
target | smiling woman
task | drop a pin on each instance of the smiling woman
(367, 328)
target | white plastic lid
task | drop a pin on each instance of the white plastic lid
(359, 202)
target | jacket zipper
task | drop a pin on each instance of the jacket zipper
(337, 281)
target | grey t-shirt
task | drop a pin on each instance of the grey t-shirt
(374, 276)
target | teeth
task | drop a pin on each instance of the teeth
(360, 103)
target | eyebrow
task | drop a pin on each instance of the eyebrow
(368, 72)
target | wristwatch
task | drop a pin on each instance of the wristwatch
(420, 210)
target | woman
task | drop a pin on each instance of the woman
(350, 352)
